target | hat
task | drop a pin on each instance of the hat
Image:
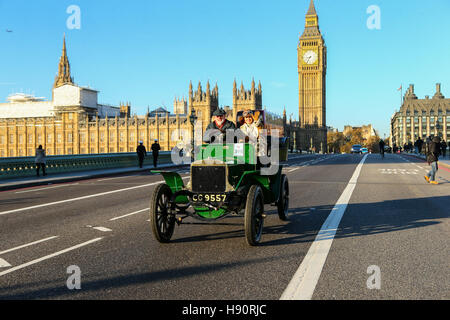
(247, 113)
(141, 142)
(156, 140)
(219, 112)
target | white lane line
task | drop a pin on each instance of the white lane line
(102, 229)
(82, 198)
(116, 178)
(304, 281)
(292, 170)
(34, 190)
(129, 214)
(27, 245)
(78, 198)
(4, 263)
(49, 256)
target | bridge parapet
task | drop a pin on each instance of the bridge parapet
(16, 167)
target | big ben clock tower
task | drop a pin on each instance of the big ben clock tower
(312, 68)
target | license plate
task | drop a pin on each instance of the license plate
(207, 197)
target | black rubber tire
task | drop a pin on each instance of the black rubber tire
(283, 201)
(162, 223)
(254, 210)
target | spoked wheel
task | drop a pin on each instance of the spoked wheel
(254, 210)
(283, 201)
(161, 220)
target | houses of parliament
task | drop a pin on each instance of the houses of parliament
(73, 122)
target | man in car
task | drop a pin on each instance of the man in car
(219, 123)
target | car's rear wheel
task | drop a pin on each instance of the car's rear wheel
(283, 201)
(254, 220)
(161, 220)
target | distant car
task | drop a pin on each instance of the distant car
(387, 149)
(364, 150)
(356, 148)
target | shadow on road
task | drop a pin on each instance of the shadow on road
(55, 289)
(359, 220)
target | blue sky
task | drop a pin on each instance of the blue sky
(146, 52)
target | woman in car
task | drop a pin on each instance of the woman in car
(251, 132)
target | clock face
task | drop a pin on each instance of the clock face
(310, 57)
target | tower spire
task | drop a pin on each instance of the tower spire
(63, 76)
(312, 9)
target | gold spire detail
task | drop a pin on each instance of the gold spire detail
(63, 76)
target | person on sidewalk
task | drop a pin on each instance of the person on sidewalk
(381, 144)
(419, 145)
(40, 160)
(155, 152)
(141, 153)
(444, 148)
(434, 149)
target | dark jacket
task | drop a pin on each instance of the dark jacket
(209, 137)
(434, 150)
(156, 148)
(141, 151)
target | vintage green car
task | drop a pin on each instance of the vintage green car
(225, 179)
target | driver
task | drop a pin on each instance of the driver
(219, 123)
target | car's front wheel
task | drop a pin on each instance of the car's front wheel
(161, 221)
(283, 201)
(254, 220)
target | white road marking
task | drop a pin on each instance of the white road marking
(116, 178)
(129, 214)
(27, 245)
(102, 229)
(34, 190)
(49, 256)
(81, 198)
(304, 281)
(4, 263)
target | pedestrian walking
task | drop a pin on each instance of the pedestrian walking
(419, 145)
(444, 148)
(141, 153)
(434, 149)
(40, 160)
(155, 152)
(382, 144)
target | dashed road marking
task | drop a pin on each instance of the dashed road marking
(129, 214)
(4, 263)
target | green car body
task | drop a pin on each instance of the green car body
(221, 179)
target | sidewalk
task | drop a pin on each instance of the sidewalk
(10, 184)
(443, 161)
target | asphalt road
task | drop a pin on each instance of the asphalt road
(393, 223)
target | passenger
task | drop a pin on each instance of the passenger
(250, 128)
(219, 123)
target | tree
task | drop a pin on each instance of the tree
(335, 140)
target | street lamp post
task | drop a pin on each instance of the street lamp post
(192, 119)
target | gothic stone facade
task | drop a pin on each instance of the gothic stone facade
(421, 118)
(74, 123)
